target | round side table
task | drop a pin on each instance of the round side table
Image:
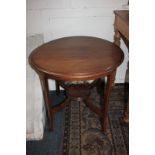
(73, 59)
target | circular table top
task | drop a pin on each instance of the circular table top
(76, 58)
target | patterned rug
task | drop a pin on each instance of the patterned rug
(82, 129)
(77, 129)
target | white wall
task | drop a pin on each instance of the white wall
(59, 18)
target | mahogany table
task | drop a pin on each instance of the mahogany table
(72, 59)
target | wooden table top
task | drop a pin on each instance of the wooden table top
(76, 58)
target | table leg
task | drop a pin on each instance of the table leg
(109, 85)
(48, 103)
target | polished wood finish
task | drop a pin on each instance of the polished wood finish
(75, 59)
(121, 27)
(110, 84)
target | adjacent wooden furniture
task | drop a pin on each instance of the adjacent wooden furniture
(121, 27)
(75, 59)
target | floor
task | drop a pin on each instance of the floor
(53, 142)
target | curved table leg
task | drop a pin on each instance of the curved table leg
(48, 102)
(60, 106)
(109, 85)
